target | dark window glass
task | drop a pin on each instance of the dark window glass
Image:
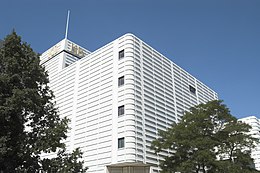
(121, 110)
(121, 54)
(121, 142)
(121, 81)
(192, 90)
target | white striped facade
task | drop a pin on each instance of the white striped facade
(154, 94)
(254, 122)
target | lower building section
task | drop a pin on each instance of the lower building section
(129, 168)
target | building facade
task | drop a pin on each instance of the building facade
(117, 99)
(254, 122)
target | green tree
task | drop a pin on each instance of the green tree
(29, 122)
(207, 139)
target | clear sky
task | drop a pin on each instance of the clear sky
(217, 41)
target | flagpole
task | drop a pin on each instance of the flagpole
(67, 25)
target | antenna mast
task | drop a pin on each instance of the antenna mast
(67, 25)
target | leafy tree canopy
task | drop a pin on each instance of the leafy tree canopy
(29, 122)
(208, 139)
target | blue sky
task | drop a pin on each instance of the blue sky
(217, 41)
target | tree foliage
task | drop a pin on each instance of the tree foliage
(29, 122)
(208, 139)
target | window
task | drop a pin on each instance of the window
(192, 90)
(121, 142)
(121, 110)
(121, 81)
(121, 54)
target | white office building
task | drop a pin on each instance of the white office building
(254, 122)
(117, 99)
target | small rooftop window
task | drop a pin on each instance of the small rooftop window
(121, 81)
(192, 89)
(121, 54)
